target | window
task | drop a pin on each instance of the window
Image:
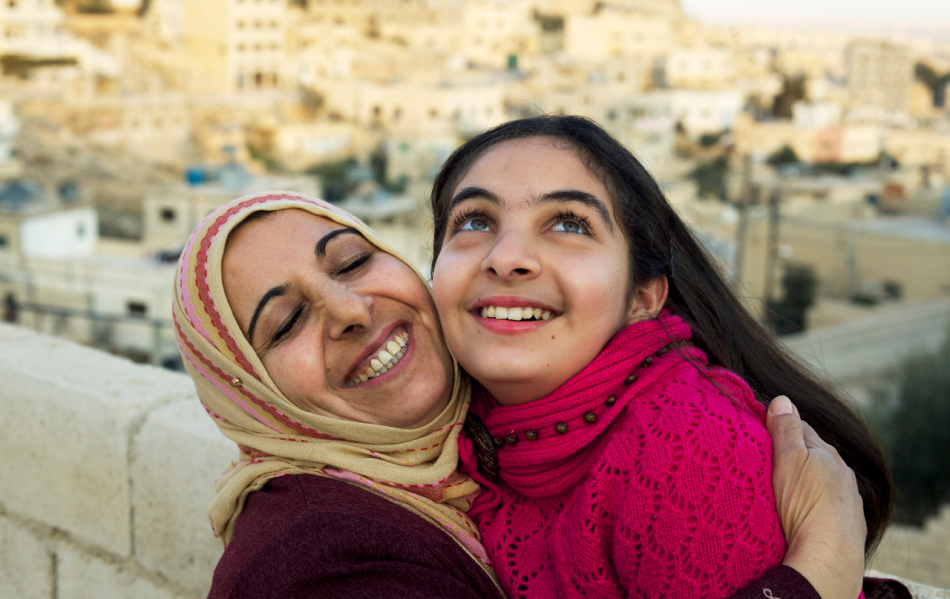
(168, 215)
(137, 309)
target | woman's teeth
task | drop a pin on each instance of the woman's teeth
(384, 360)
(501, 313)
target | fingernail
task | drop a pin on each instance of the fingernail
(780, 405)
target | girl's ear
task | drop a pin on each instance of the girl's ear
(648, 299)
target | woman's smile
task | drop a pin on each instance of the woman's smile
(382, 359)
(343, 329)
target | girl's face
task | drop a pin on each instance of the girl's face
(343, 329)
(533, 277)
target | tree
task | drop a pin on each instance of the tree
(924, 73)
(793, 90)
(785, 155)
(911, 420)
(710, 177)
(787, 315)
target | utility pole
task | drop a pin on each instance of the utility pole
(775, 200)
(745, 198)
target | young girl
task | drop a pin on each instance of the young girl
(630, 457)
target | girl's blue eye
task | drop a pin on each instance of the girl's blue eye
(474, 224)
(570, 226)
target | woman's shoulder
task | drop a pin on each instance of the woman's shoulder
(303, 534)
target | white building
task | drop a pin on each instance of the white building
(9, 125)
(170, 213)
(702, 112)
(165, 20)
(816, 115)
(880, 74)
(700, 67)
(33, 28)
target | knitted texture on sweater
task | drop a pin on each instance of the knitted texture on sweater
(667, 493)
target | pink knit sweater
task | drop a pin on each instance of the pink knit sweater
(653, 487)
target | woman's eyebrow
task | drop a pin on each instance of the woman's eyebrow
(275, 292)
(574, 195)
(467, 193)
(321, 249)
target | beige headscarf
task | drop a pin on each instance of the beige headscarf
(415, 467)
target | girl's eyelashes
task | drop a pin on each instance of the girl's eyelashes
(472, 219)
(475, 219)
(569, 222)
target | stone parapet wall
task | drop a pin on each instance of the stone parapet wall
(852, 351)
(107, 472)
(918, 553)
(108, 469)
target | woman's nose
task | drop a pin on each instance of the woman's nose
(512, 257)
(348, 312)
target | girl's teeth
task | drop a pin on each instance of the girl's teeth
(385, 357)
(515, 313)
(376, 365)
(392, 347)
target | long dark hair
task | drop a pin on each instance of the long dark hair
(698, 293)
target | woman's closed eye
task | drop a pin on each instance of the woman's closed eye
(288, 325)
(351, 266)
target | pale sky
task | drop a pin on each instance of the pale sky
(925, 12)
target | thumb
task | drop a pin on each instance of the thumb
(785, 427)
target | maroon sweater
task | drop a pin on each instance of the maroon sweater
(304, 536)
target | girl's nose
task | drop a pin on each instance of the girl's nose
(512, 257)
(348, 312)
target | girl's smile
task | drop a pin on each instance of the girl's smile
(533, 276)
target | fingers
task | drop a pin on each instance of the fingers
(785, 426)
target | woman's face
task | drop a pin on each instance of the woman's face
(344, 329)
(532, 279)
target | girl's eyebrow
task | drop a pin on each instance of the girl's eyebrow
(557, 196)
(467, 193)
(582, 197)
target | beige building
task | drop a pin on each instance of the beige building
(924, 149)
(700, 67)
(880, 74)
(238, 44)
(613, 34)
(498, 33)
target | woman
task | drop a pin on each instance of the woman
(318, 351)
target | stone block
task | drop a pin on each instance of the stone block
(178, 454)
(26, 565)
(81, 575)
(69, 413)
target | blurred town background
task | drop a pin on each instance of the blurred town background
(812, 160)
